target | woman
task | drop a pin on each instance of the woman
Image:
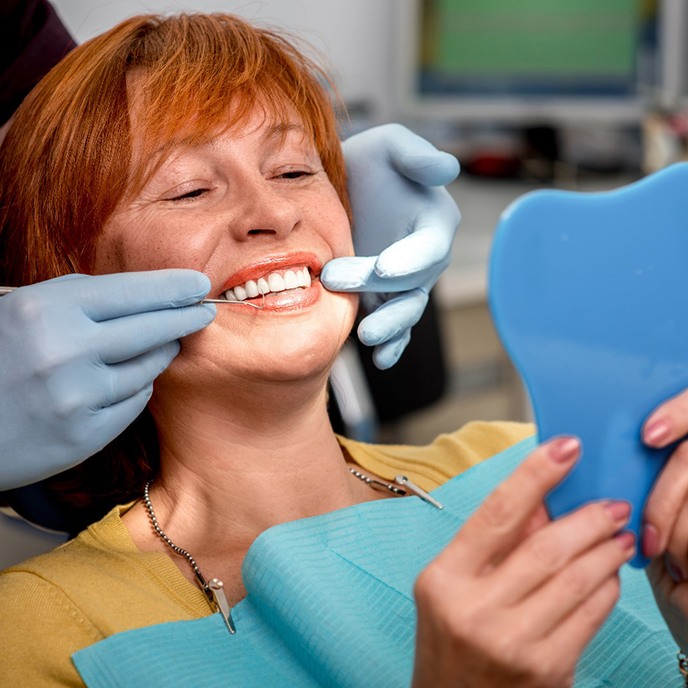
(210, 144)
(35, 40)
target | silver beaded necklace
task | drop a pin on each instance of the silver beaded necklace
(214, 588)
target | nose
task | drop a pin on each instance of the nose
(262, 207)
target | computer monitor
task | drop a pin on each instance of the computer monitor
(524, 61)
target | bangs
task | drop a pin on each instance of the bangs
(69, 159)
(197, 76)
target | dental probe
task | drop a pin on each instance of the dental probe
(237, 303)
(9, 290)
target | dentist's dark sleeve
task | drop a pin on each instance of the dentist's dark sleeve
(32, 41)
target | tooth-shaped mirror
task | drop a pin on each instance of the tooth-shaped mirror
(589, 294)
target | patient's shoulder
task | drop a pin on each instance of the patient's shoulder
(92, 553)
(92, 587)
(114, 584)
(41, 628)
(52, 589)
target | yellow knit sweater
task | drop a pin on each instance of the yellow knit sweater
(100, 584)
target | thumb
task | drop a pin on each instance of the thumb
(418, 160)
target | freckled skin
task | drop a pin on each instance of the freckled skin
(219, 208)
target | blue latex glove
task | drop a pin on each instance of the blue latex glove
(404, 226)
(78, 356)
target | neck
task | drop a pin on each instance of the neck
(233, 467)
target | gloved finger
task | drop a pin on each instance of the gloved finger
(348, 274)
(122, 339)
(387, 354)
(44, 296)
(419, 160)
(358, 274)
(103, 297)
(372, 300)
(393, 317)
(64, 278)
(111, 421)
(130, 378)
(428, 246)
(435, 168)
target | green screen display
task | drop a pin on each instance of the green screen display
(536, 41)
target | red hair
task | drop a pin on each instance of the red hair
(67, 163)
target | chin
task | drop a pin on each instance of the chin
(302, 352)
(291, 364)
(277, 350)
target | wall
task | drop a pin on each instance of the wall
(354, 36)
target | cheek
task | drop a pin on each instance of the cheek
(109, 256)
(130, 245)
(334, 226)
(346, 244)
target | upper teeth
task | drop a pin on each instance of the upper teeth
(275, 281)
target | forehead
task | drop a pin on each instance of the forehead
(190, 115)
(153, 143)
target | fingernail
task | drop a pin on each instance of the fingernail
(657, 433)
(650, 541)
(564, 449)
(618, 511)
(626, 540)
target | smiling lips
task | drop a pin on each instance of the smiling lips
(273, 282)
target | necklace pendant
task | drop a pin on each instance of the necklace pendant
(400, 492)
(418, 491)
(217, 590)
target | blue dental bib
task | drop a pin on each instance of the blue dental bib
(330, 605)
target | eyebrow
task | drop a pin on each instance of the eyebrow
(274, 132)
(282, 129)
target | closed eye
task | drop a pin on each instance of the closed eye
(194, 193)
(296, 174)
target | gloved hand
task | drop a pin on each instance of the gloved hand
(78, 356)
(404, 226)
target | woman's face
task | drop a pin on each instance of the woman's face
(251, 208)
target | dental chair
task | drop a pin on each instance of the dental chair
(20, 540)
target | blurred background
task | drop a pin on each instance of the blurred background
(574, 94)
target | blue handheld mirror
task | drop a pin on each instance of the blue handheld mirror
(589, 294)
